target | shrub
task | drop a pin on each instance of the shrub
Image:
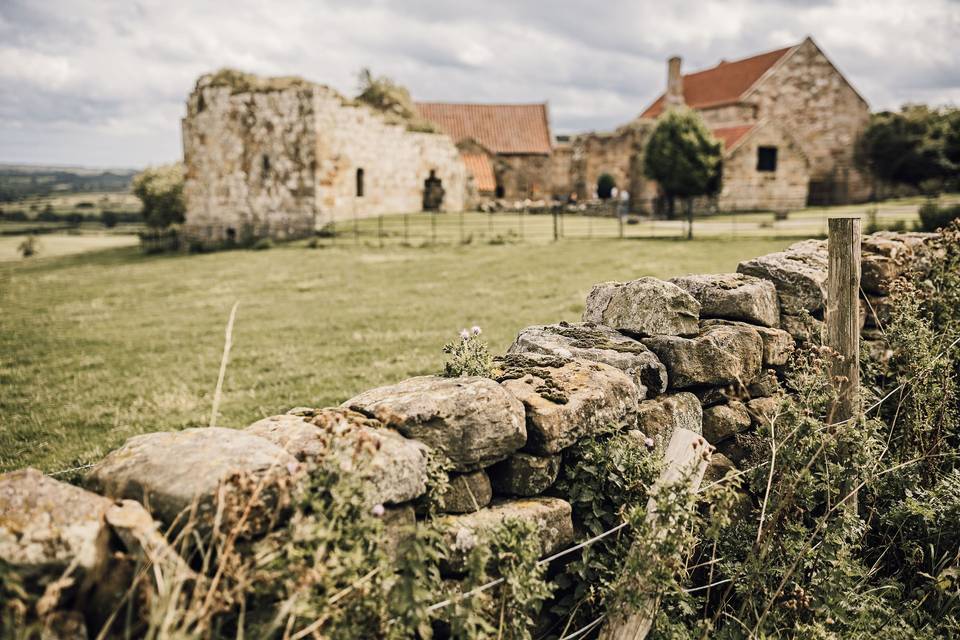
(933, 217)
(469, 356)
(29, 247)
(108, 219)
(160, 189)
(262, 244)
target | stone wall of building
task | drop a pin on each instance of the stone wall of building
(810, 98)
(250, 160)
(745, 189)
(395, 163)
(620, 154)
(522, 176)
(729, 115)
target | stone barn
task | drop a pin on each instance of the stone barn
(281, 157)
(514, 139)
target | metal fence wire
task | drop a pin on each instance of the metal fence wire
(537, 222)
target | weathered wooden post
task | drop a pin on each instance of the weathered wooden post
(687, 452)
(843, 318)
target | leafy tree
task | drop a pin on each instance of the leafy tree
(605, 185)
(684, 158)
(917, 146)
(160, 189)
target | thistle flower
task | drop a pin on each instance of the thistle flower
(648, 442)
(378, 510)
(464, 334)
(475, 330)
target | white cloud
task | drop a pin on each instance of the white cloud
(104, 82)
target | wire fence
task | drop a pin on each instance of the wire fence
(604, 222)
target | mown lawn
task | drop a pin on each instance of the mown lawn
(97, 347)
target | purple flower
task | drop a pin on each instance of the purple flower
(648, 442)
(475, 330)
(464, 334)
(378, 510)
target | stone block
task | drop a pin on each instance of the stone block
(566, 399)
(734, 296)
(468, 492)
(660, 417)
(393, 469)
(597, 343)
(720, 355)
(523, 474)
(551, 517)
(643, 307)
(169, 471)
(725, 420)
(778, 344)
(472, 420)
(799, 274)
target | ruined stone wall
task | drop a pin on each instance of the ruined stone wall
(561, 171)
(620, 154)
(250, 160)
(523, 175)
(394, 160)
(704, 353)
(280, 158)
(810, 98)
(745, 188)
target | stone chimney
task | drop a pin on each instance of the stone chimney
(674, 97)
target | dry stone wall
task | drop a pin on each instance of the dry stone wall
(705, 353)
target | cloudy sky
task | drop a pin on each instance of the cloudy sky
(103, 82)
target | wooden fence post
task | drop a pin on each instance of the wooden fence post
(685, 452)
(843, 318)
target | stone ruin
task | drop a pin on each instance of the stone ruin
(705, 353)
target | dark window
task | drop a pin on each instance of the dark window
(266, 164)
(359, 183)
(500, 191)
(766, 158)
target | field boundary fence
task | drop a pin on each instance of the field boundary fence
(540, 222)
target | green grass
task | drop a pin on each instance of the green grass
(97, 347)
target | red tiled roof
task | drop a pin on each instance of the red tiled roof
(501, 128)
(480, 167)
(723, 84)
(729, 136)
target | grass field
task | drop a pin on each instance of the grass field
(100, 346)
(51, 245)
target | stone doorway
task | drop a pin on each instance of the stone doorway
(432, 192)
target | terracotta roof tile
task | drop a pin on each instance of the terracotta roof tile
(729, 136)
(501, 128)
(481, 168)
(723, 84)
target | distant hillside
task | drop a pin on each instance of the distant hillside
(22, 181)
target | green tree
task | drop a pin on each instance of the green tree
(917, 146)
(160, 189)
(684, 158)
